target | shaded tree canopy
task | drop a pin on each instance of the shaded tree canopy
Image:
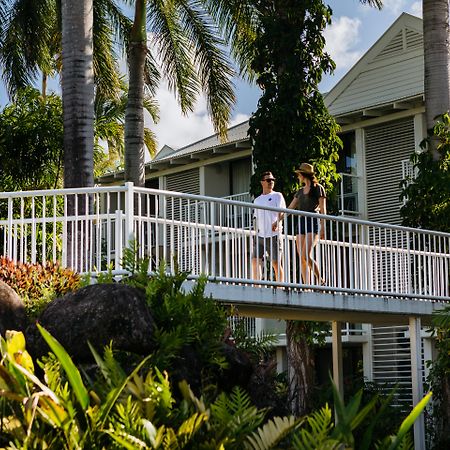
(31, 142)
(428, 193)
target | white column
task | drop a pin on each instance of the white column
(367, 349)
(338, 373)
(129, 213)
(361, 172)
(416, 377)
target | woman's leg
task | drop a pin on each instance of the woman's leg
(305, 246)
(311, 261)
(301, 250)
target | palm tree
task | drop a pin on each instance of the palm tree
(190, 55)
(78, 92)
(109, 130)
(437, 59)
(31, 42)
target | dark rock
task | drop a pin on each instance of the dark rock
(12, 310)
(99, 313)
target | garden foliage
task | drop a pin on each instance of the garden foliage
(439, 381)
(427, 192)
(116, 410)
(37, 284)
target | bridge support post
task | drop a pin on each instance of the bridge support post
(416, 378)
(336, 342)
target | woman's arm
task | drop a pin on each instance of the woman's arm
(292, 205)
(322, 210)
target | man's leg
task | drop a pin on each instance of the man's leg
(256, 268)
(278, 269)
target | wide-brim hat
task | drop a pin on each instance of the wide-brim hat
(306, 169)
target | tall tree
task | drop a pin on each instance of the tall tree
(30, 46)
(31, 136)
(292, 125)
(187, 39)
(78, 92)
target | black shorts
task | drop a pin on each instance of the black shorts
(271, 246)
(307, 225)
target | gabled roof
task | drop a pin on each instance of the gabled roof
(390, 71)
(236, 134)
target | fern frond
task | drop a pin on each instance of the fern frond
(316, 434)
(271, 433)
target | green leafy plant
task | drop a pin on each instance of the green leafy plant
(138, 410)
(439, 381)
(36, 284)
(427, 193)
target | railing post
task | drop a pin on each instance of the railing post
(118, 241)
(9, 252)
(129, 213)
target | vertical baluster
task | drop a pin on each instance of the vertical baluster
(44, 230)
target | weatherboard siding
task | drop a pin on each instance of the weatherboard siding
(392, 70)
(381, 85)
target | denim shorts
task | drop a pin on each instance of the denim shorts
(271, 246)
(307, 225)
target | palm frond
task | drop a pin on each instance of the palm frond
(237, 21)
(374, 3)
(215, 71)
(150, 141)
(26, 39)
(106, 71)
(173, 50)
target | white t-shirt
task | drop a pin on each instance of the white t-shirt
(264, 218)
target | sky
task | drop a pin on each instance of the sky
(354, 29)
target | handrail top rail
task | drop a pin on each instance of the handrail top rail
(64, 191)
(287, 211)
(128, 185)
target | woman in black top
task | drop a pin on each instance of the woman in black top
(310, 198)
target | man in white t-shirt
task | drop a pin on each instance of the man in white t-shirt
(267, 241)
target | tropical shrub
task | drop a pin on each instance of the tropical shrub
(427, 193)
(439, 381)
(37, 284)
(138, 411)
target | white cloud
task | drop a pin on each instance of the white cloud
(177, 130)
(341, 39)
(416, 9)
(395, 7)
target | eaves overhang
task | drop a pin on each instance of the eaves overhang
(380, 110)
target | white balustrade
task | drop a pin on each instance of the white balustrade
(87, 229)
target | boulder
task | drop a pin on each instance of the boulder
(12, 310)
(98, 313)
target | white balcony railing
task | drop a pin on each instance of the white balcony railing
(88, 229)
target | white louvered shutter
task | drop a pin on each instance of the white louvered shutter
(181, 238)
(387, 145)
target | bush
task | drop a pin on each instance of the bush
(36, 284)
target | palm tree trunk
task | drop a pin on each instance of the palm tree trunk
(78, 110)
(437, 60)
(134, 116)
(301, 367)
(78, 92)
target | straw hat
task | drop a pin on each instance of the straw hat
(306, 169)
